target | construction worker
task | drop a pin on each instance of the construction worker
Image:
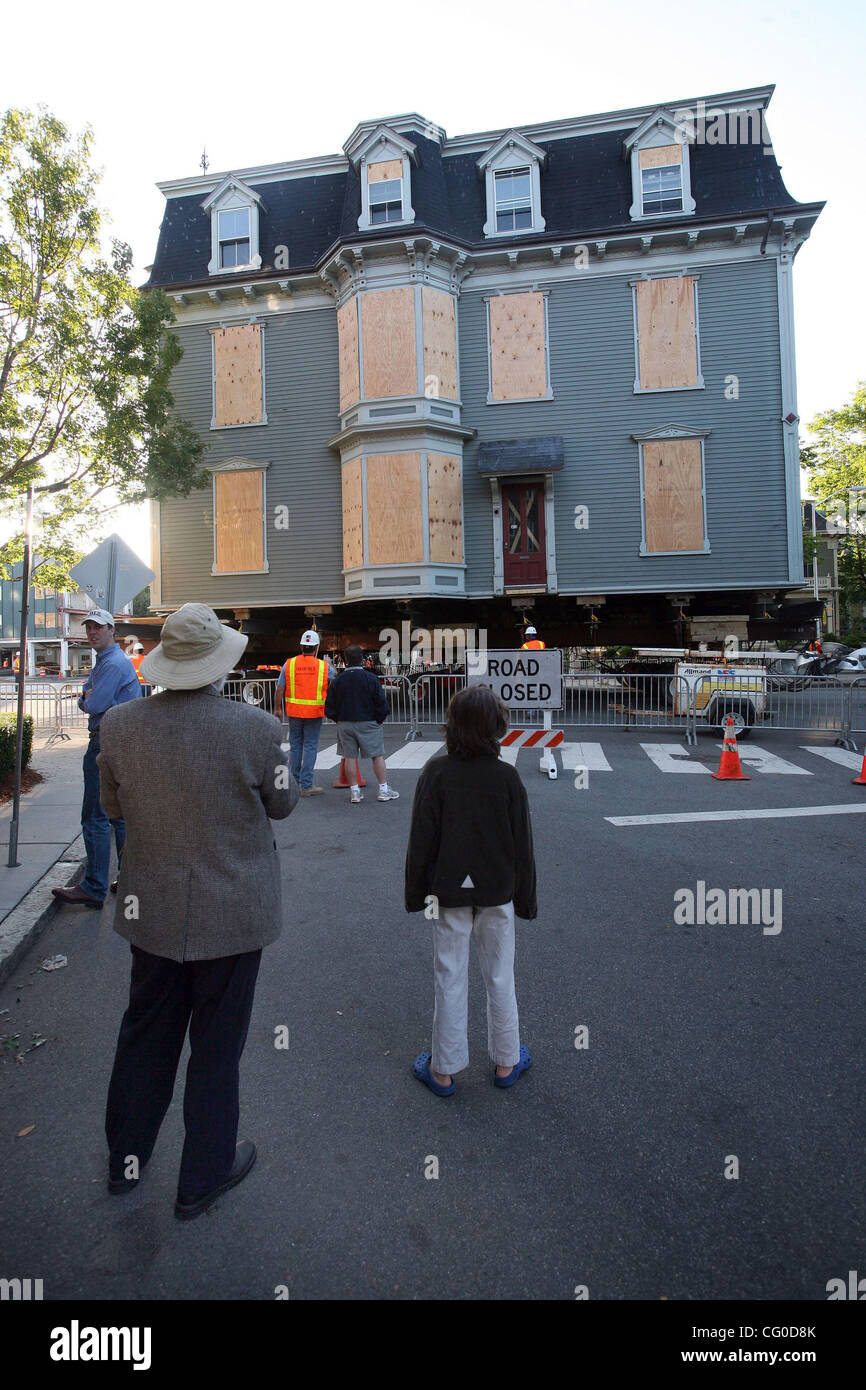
(301, 691)
(533, 642)
(136, 658)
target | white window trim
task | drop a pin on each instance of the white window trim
(376, 156)
(250, 424)
(672, 432)
(513, 152)
(517, 400)
(656, 131)
(231, 195)
(699, 385)
(240, 465)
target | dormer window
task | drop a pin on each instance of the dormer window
(513, 194)
(234, 212)
(384, 162)
(659, 158)
(386, 201)
(234, 237)
(512, 173)
(662, 183)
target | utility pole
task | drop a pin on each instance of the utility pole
(13, 861)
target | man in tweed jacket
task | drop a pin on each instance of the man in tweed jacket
(197, 778)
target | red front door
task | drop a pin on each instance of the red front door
(523, 534)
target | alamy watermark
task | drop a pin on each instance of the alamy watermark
(703, 125)
(732, 907)
(436, 646)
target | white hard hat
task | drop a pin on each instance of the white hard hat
(310, 638)
(137, 647)
(530, 632)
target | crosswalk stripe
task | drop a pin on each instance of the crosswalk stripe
(762, 760)
(509, 755)
(672, 757)
(835, 755)
(327, 757)
(414, 754)
(588, 755)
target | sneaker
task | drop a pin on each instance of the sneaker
(389, 795)
(355, 798)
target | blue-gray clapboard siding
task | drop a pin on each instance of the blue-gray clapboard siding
(596, 410)
(302, 402)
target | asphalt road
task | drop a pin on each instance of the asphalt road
(604, 1166)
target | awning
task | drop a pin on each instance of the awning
(539, 455)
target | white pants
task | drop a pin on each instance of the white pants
(492, 929)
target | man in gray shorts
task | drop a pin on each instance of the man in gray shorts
(358, 705)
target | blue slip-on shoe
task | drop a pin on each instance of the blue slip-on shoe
(421, 1069)
(524, 1063)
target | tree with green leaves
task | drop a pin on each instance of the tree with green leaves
(836, 463)
(85, 358)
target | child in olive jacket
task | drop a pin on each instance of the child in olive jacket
(470, 868)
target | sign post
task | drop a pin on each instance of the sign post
(524, 680)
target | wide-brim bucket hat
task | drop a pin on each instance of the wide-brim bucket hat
(195, 649)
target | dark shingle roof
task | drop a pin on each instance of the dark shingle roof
(585, 191)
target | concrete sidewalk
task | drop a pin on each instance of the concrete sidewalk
(49, 843)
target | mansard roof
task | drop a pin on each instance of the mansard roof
(310, 206)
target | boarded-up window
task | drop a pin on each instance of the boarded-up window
(237, 354)
(440, 344)
(353, 515)
(384, 169)
(673, 494)
(518, 351)
(347, 335)
(445, 509)
(388, 336)
(394, 509)
(667, 342)
(239, 520)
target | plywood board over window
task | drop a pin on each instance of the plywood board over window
(353, 515)
(660, 156)
(238, 375)
(384, 169)
(394, 509)
(445, 509)
(440, 344)
(347, 336)
(239, 509)
(518, 351)
(667, 342)
(673, 494)
(388, 336)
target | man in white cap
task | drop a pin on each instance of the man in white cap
(301, 692)
(113, 681)
(198, 780)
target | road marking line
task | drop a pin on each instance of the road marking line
(836, 755)
(684, 817)
(327, 757)
(588, 755)
(413, 754)
(762, 760)
(671, 757)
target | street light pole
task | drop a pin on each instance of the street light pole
(13, 861)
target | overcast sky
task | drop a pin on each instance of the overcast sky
(256, 84)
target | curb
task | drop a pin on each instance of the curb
(26, 922)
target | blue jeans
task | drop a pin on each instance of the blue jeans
(96, 829)
(304, 744)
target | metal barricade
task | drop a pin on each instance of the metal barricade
(259, 691)
(53, 708)
(856, 708)
(626, 701)
(809, 704)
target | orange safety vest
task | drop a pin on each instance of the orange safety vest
(136, 661)
(534, 645)
(306, 687)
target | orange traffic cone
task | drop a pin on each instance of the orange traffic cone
(861, 780)
(729, 763)
(342, 779)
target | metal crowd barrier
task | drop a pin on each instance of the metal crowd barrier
(809, 704)
(857, 708)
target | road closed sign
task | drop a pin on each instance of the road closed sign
(522, 680)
